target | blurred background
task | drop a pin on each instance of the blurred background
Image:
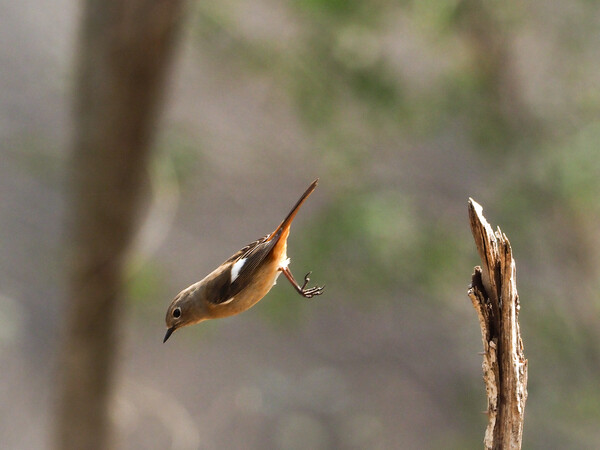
(404, 110)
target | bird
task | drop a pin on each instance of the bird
(242, 280)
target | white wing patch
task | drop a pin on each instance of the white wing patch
(235, 269)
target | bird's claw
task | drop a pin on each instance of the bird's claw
(310, 293)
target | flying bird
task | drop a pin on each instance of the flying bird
(242, 280)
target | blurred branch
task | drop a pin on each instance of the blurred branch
(494, 295)
(124, 51)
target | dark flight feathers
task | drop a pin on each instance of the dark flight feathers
(254, 254)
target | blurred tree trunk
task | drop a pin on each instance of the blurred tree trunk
(124, 51)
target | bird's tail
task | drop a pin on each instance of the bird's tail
(290, 217)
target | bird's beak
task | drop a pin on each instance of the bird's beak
(169, 332)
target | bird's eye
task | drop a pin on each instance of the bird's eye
(177, 312)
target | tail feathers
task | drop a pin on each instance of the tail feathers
(290, 217)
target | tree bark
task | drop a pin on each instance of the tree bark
(493, 292)
(124, 51)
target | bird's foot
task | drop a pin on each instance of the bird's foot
(311, 292)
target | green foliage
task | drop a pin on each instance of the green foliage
(178, 156)
(367, 233)
(146, 285)
(333, 12)
(573, 170)
(384, 246)
(333, 8)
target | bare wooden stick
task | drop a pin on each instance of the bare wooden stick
(493, 292)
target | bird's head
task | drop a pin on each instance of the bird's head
(187, 308)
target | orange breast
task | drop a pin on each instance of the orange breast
(262, 283)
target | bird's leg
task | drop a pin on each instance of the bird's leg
(307, 293)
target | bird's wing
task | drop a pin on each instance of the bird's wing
(241, 268)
